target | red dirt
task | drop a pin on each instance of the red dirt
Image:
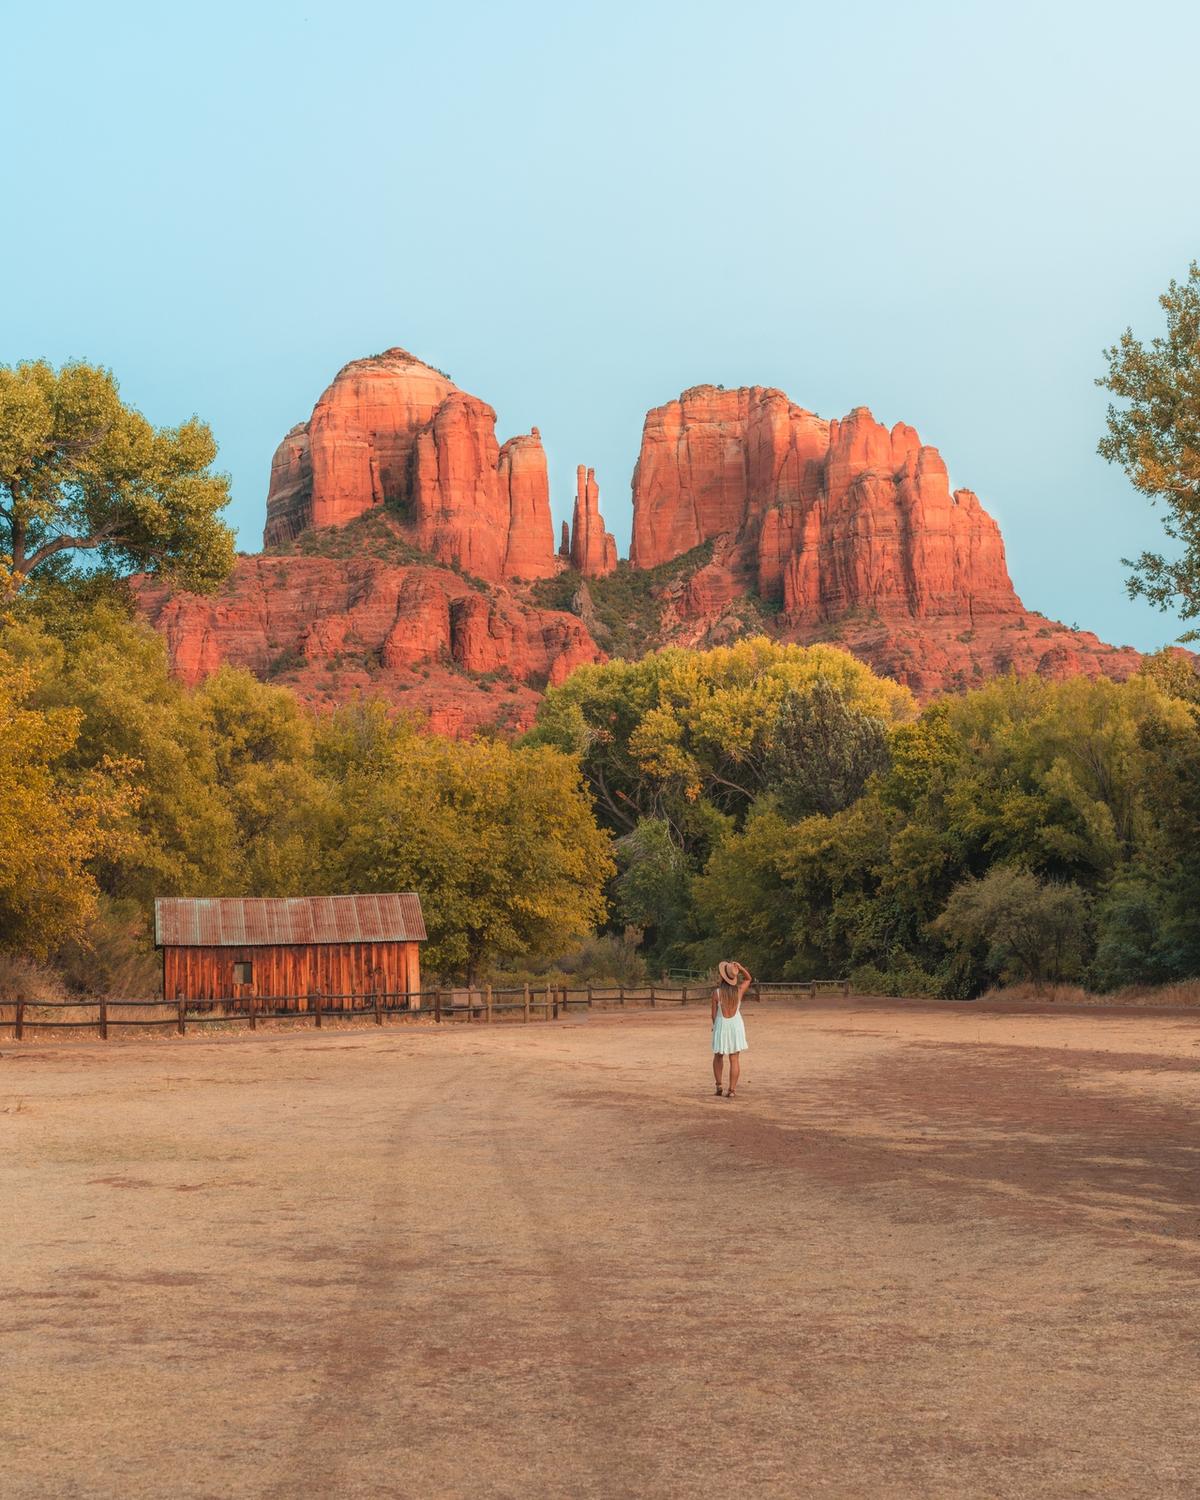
(930, 1252)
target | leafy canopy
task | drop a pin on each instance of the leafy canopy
(658, 738)
(501, 843)
(1155, 437)
(1032, 929)
(822, 750)
(82, 472)
(53, 822)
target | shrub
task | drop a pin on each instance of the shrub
(1030, 929)
(22, 979)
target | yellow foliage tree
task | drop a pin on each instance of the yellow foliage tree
(52, 823)
(501, 843)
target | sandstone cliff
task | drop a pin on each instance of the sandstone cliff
(593, 550)
(424, 636)
(840, 530)
(394, 432)
(415, 555)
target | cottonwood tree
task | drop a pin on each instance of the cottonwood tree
(53, 823)
(822, 750)
(1032, 929)
(1155, 437)
(80, 471)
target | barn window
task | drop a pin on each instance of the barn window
(243, 971)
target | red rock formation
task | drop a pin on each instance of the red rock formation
(525, 496)
(835, 516)
(330, 627)
(818, 530)
(593, 550)
(713, 462)
(853, 528)
(457, 516)
(391, 430)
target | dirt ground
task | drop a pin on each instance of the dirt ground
(929, 1252)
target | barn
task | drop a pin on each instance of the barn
(343, 948)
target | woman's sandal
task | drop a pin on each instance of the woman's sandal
(718, 1090)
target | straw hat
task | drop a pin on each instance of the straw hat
(728, 971)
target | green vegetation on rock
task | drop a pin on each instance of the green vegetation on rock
(628, 604)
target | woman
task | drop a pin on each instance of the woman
(729, 1030)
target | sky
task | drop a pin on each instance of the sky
(942, 211)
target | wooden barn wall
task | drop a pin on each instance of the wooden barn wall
(292, 969)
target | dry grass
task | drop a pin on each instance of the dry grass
(22, 979)
(1182, 992)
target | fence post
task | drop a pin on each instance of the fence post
(104, 1020)
(253, 1017)
(845, 986)
(316, 999)
(589, 997)
(651, 997)
(437, 1005)
(19, 1021)
(683, 996)
(547, 1002)
(526, 1016)
(487, 1005)
(621, 996)
(378, 1010)
(180, 1020)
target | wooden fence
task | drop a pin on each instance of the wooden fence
(445, 1005)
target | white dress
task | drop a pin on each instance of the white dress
(729, 1032)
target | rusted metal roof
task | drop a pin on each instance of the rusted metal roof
(250, 921)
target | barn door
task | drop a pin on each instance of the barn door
(243, 982)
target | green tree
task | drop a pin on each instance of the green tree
(111, 673)
(53, 823)
(679, 728)
(1154, 434)
(80, 471)
(822, 750)
(501, 843)
(1174, 671)
(1130, 923)
(280, 810)
(1031, 929)
(651, 888)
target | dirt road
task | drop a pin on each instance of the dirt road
(930, 1252)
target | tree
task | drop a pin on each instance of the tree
(1155, 437)
(651, 888)
(111, 673)
(52, 823)
(501, 843)
(822, 750)
(280, 810)
(82, 472)
(682, 730)
(1032, 929)
(1174, 671)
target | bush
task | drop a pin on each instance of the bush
(22, 979)
(1129, 925)
(1030, 929)
(115, 957)
(869, 979)
(604, 961)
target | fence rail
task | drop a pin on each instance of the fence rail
(466, 1005)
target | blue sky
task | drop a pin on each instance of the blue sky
(941, 211)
